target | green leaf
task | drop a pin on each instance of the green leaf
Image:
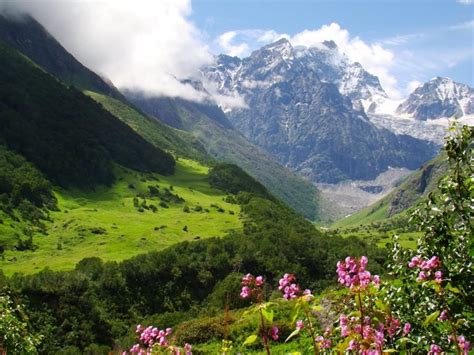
(453, 289)
(268, 315)
(317, 308)
(431, 318)
(250, 340)
(295, 333)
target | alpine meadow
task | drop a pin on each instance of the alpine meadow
(231, 177)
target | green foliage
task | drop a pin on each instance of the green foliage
(100, 301)
(232, 179)
(446, 222)
(15, 336)
(67, 135)
(20, 181)
(159, 134)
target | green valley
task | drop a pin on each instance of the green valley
(106, 223)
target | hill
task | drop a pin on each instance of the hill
(410, 191)
(30, 38)
(67, 135)
(210, 125)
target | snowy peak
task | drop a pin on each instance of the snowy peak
(281, 61)
(440, 97)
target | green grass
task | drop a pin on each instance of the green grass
(375, 212)
(128, 232)
(179, 142)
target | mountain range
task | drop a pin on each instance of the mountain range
(303, 107)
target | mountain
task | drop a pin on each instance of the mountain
(46, 121)
(211, 126)
(296, 112)
(406, 195)
(33, 40)
(196, 131)
(438, 98)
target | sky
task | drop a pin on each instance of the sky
(153, 45)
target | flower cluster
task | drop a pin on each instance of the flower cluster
(251, 285)
(352, 273)
(289, 287)
(426, 268)
(367, 338)
(151, 337)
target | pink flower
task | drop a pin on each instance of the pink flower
(353, 345)
(376, 280)
(406, 329)
(415, 261)
(245, 292)
(421, 276)
(443, 316)
(433, 263)
(438, 276)
(259, 281)
(274, 333)
(139, 328)
(188, 349)
(299, 324)
(379, 338)
(434, 349)
(352, 273)
(464, 345)
(247, 279)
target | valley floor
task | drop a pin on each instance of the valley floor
(107, 222)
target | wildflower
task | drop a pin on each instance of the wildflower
(274, 333)
(415, 261)
(464, 345)
(299, 324)
(443, 316)
(245, 293)
(434, 349)
(376, 280)
(438, 276)
(421, 276)
(406, 329)
(352, 273)
(188, 349)
(259, 281)
(353, 345)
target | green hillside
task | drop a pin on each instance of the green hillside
(209, 124)
(159, 134)
(67, 135)
(108, 223)
(403, 197)
(29, 37)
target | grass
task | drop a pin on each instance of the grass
(157, 133)
(105, 223)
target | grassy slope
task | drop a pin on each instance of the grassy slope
(128, 232)
(159, 134)
(228, 145)
(408, 194)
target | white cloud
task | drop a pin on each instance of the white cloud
(147, 45)
(412, 85)
(374, 57)
(465, 2)
(225, 42)
(463, 25)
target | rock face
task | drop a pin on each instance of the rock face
(437, 98)
(304, 108)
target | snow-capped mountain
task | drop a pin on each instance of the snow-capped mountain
(438, 98)
(303, 107)
(270, 65)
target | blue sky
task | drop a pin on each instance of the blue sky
(425, 38)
